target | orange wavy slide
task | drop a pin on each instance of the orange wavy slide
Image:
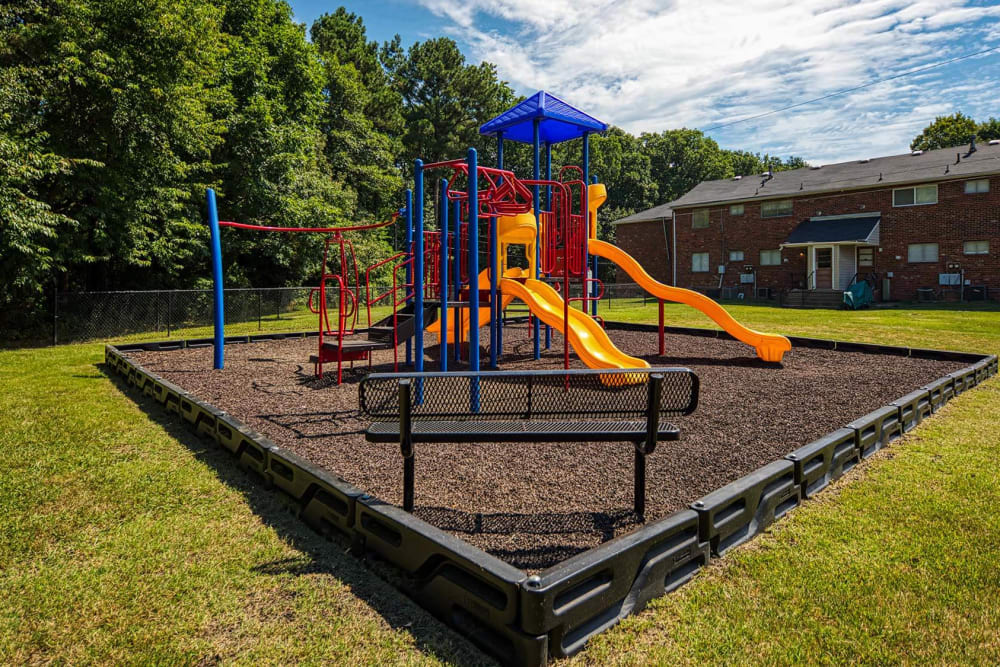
(588, 339)
(484, 313)
(769, 347)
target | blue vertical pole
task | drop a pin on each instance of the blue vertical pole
(408, 248)
(418, 268)
(444, 275)
(458, 272)
(535, 201)
(473, 195)
(548, 205)
(498, 311)
(218, 305)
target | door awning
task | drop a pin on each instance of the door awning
(853, 230)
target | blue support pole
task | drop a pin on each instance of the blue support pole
(409, 267)
(548, 205)
(535, 201)
(418, 268)
(498, 311)
(218, 304)
(473, 196)
(458, 272)
(444, 275)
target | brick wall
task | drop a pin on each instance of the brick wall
(956, 218)
(645, 242)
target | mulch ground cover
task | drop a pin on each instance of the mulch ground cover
(536, 504)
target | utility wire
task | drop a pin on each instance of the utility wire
(851, 90)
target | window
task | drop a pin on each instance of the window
(976, 187)
(776, 209)
(922, 252)
(918, 196)
(735, 255)
(699, 262)
(770, 257)
(976, 247)
(736, 209)
(699, 219)
(866, 256)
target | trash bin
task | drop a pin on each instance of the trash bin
(925, 294)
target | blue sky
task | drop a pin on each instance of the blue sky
(650, 65)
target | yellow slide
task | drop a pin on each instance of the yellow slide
(586, 336)
(770, 347)
(462, 314)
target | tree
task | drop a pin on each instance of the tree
(272, 167)
(680, 159)
(944, 132)
(445, 100)
(989, 129)
(363, 116)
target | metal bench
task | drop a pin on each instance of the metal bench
(620, 405)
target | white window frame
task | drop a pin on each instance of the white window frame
(867, 250)
(914, 189)
(733, 255)
(737, 209)
(778, 202)
(977, 187)
(699, 262)
(978, 248)
(768, 254)
(698, 224)
(922, 254)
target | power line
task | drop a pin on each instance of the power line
(851, 90)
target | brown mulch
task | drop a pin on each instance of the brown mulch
(536, 504)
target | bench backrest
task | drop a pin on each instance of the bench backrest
(557, 394)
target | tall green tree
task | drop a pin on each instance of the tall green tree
(362, 118)
(445, 99)
(130, 90)
(944, 132)
(273, 169)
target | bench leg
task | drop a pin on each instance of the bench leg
(639, 490)
(408, 483)
(406, 443)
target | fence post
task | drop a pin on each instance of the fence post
(259, 299)
(170, 310)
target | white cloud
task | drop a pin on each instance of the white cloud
(647, 65)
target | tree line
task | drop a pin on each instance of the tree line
(115, 116)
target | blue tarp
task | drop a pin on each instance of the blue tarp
(558, 121)
(858, 295)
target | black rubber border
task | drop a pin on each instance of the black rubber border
(522, 620)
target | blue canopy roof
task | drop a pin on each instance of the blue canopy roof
(558, 121)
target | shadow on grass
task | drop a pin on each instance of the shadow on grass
(321, 555)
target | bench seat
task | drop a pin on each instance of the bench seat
(521, 430)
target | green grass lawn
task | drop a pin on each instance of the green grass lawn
(124, 538)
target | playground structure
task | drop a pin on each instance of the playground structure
(438, 287)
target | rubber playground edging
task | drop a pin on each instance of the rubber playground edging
(521, 619)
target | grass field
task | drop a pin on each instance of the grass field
(125, 538)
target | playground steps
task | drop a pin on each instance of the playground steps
(381, 331)
(815, 298)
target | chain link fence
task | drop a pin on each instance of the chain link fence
(161, 314)
(136, 315)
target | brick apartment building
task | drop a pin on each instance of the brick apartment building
(918, 221)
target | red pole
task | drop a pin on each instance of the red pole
(662, 346)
